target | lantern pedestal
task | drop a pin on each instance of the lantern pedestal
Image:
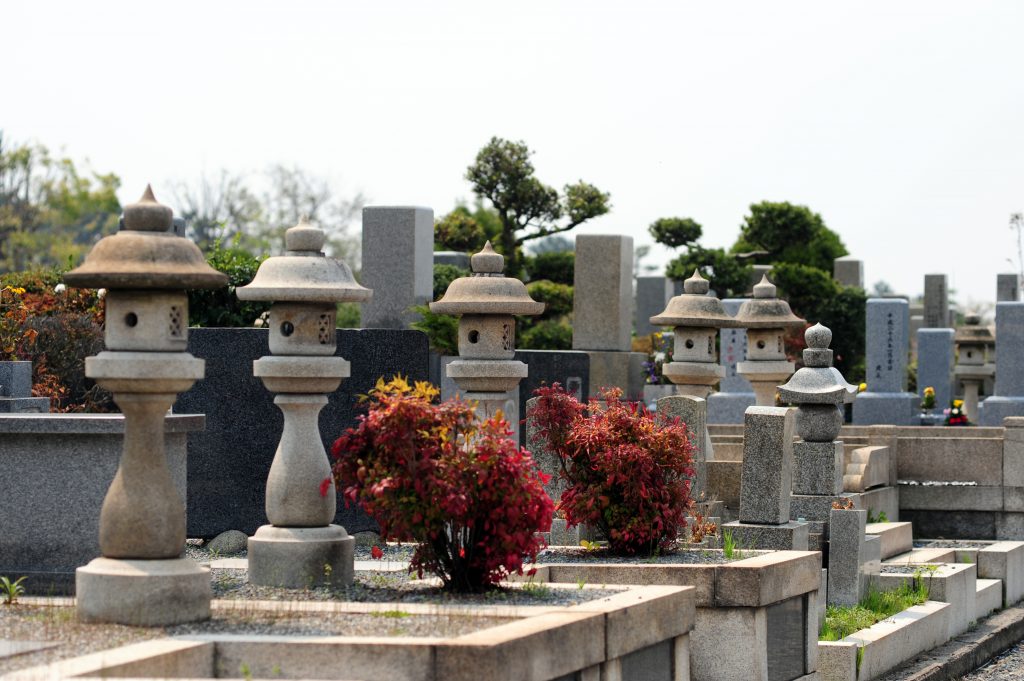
(492, 385)
(143, 593)
(301, 548)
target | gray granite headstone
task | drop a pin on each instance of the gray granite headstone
(848, 271)
(691, 411)
(453, 258)
(845, 555)
(936, 301)
(652, 295)
(16, 390)
(569, 368)
(935, 364)
(1007, 288)
(228, 463)
(735, 393)
(603, 292)
(767, 473)
(886, 400)
(398, 264)
(1008, 399)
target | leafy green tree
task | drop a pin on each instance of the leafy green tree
(789, 233)
(528, 209)
(220, 307)
(444, 275)
(51, 212)
(675, 232)
(729, 276)
(556, 266)
(459, 231)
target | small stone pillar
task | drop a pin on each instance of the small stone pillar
(765, 483)
(141, 578)
(886, 401)
(848, 271)
(301, 548)
(818, 390)
(735, 393)
(936, 301)
(652, 295)
(696, 318)
(486, 369)
(766, 319)
(974, 343)
(398, 263)
(16, 390)
(1007, 288)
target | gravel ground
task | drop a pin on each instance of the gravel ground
(906, 570)
(951, 544)
(572, 554)
(58, 624)
(1006, 667)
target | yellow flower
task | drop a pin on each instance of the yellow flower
(929, 390)
(958, 403)
(862, 387)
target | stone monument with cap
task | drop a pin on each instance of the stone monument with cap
(301, 547)
(141, 577)
(766, 319)
(974, 345)
(486, 370)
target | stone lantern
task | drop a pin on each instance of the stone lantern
(974, 343)
(766, 319)
(301, 547)
(141, 577)
(696, 318)
(486, 302)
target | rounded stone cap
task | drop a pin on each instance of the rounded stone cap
(695, 308)
(487, 291)
(972, 333)
(765, 311)
(818, 337)
(304, 274)
(146, 254)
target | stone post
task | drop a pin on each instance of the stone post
(486, 370)
(886, 400)
(1008, 397)
(397, 263)
(141, 578)
(848, 271)
(735, 393)
(603, 313)
(846, 557)
(766, 319)
(935, 365)
(652, 295)
(974, 344)
(16, 390)
(1007, 288)
(765, 483)
(818, 390)
(936, 301)
(301, 548)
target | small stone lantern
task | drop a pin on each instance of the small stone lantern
(974, 342)
(696, 318)
(141, 578)
(301, 547)
(766, 319)
(818, 389)
(486, 302)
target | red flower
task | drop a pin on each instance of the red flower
(325, 485)
(376, 553)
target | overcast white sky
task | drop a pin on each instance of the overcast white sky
(902, 123)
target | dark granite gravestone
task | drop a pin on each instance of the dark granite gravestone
(228, 463)
(570, 368)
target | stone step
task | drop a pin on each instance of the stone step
(988, 598)
(866, 467)
(896, 537)
(919, 556)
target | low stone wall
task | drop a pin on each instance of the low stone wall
(55, 470)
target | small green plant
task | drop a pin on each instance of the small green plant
(729, 548)
(841, 621)
(536, 589)
(328, 571)
(860, 657)
(11, 590)
(880, 518)
(245, 671)
(580, 583)
(392, 614)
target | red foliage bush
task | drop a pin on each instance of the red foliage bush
(434, 474)
(626, 474)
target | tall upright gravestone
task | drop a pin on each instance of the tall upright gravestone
(936, 301)
(1008, 399)
(735, 393)
(398, 263)
(1007, 288)
(603, 312)
(886, 400)
(935, 364)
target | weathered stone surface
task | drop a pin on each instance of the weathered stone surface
(1004, 561)
(623, 370)
(144, 593)
(817, 468)
(767, 465)
(845, 555)
(1007, 288)
(691, 411)
(603, 293)
(816, 507)
(791, 536)
(652, 295)
(887, 346)
(397, 257)
(301, 557)
(951, 583)
(228, 542)
(16, 390)
(569, 368)
(735, 393)
(935, 364)
(453, 258)
(1008, 399)
(227, 476)
(936, 301)
(896, 538)
(848, 271)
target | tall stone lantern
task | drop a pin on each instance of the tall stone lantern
(486, 302)
(766, 319)
(301, 547)
(696, 318)
(974, 344)
(142, 577)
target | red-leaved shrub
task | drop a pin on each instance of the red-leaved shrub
(625, 473)
(434, 474)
